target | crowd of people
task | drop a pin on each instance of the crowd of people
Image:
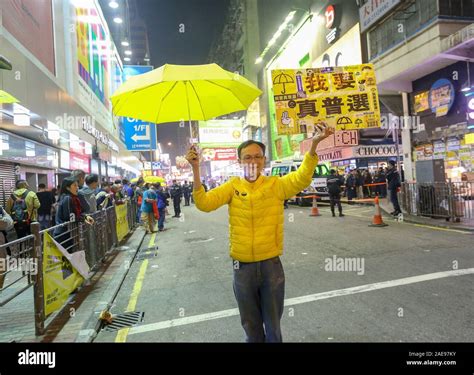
(358, 184)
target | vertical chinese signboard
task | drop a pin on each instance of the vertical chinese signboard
(344, 97)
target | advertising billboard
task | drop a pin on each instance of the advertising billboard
(31, 23)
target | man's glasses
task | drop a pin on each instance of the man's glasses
(248, 158)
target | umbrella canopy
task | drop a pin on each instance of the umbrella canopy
(183, 92)
(153, 179)
(5, 97)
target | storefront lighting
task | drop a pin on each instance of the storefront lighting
(125, 43)
(277, 34)
(21, 119)
(30, 149)
(53, 131)
(87, 148)
(127, 59)
(4, 145)
(118, 20)
(113, 4)
(128, 52)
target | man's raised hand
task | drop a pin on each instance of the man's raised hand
(192, 156)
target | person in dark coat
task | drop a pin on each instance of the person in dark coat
(393, 182)
(380, 190)
(69, 209)
(176, 194)
(187, 193)
(351, 186)
(367, 181)
(334, 182)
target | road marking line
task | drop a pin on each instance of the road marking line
(438, 228)
(137, 288)
(303, 299)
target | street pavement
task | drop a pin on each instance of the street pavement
(407, 282)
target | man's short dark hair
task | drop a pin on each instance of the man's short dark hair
(21, 184)
(117, 182)
(77, 174)
(90, 179)
(249, 143)
(41, 186)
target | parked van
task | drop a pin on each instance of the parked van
(318, 184)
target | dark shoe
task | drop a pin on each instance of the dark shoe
(396, 213)
(391, 213)
(162, 230)
(333, 214)
(341, 214)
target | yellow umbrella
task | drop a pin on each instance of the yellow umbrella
(5, 97)
(183, 92)
(153, 179)
(134, 180)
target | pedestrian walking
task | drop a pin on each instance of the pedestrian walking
(256, 231)
(148, 217)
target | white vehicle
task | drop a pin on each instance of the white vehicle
(318, 184)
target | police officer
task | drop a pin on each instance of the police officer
(334, 183)
(176, 194)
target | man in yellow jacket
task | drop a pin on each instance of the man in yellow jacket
(256, 232)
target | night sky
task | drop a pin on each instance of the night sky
(203, 20)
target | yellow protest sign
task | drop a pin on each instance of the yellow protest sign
(345, 97)
(62, 273)
(122, 222)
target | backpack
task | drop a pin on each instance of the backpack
(19, 209)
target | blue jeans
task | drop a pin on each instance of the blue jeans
(161, 220)
(259, 289)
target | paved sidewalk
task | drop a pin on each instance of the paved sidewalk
(77, 321)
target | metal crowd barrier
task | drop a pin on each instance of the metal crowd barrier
(450, 200)
(16, 266)
(95, 240)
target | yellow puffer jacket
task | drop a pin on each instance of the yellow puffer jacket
(256, 210)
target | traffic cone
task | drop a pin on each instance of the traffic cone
(377, 220)
(314, 208)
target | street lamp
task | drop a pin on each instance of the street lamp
(170, 144)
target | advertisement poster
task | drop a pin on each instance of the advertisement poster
(344, 97)
(214, 133)
(62, 273)
(122, 223)
(92, 53)
(218, 154)
(31, 23)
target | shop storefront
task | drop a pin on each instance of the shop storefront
(30, 161)
(440, 101)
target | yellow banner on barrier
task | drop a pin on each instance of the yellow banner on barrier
(122, 222)
(62, 273)
(345, 97)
